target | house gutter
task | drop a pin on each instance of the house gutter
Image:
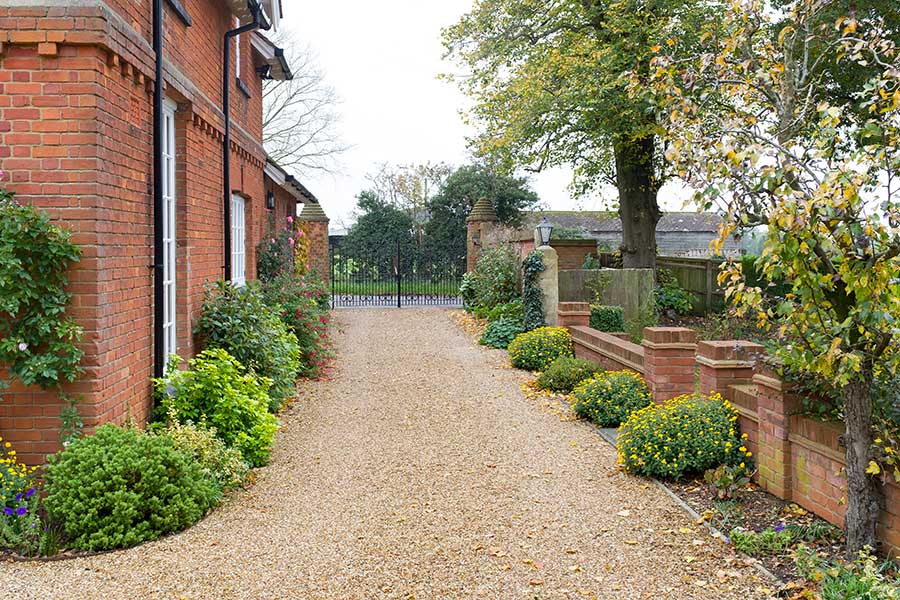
(158, 292)
(257, 23)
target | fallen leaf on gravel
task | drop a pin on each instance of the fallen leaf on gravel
(624, 513)
(685, 530)
(536, 582)
(689, 558)
(631, 542)
(571, 551)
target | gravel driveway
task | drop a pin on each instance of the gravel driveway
(420, 471)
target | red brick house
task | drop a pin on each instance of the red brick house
(137, 172)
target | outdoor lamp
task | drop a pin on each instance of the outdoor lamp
(270, 200)
(544, 229)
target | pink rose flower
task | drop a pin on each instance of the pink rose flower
(2, 175)
(291, 240)
(290, 219)
(23, 347)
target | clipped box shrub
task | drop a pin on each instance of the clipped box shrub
(120, 487)
(499, 333)
(537, 349)
(687, 434)
(609, 398)
(217, 390)
(567, 372)
(240, 321)
(607, 318)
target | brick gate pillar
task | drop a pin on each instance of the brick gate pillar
(725, 363)
(669, 360)
(775, 405)
(315, 223)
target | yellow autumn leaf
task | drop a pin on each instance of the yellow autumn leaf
(873, 468)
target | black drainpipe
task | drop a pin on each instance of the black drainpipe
(226, 146)
(158, 299)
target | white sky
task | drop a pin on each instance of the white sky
(383, 59)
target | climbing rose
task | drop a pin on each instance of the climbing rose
(23, 347)
(290, 219)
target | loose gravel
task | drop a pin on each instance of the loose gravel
(420, 470)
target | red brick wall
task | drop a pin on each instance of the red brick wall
(75, 139)
(319, 257)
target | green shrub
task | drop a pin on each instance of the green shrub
(769, 542)
(536, 350)
(303, 303)
(494, 281)
(567, 372)
(218, 391)
(120, 487)
(687, 434)
(607, 318)
(499, 333)
(511, 310)
(646, 317)
(863, 579)
(609, 398)
(532, 295)
(669, 295)
(239, 320)
(275, 255)
(219, 463)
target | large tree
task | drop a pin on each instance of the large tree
(550, 80)
(789, 118)
(445, 231)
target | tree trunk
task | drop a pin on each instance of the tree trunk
(638, 209)
(863, 490)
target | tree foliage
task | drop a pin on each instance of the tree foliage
(550, 83)
(445, 231)
(788, 117)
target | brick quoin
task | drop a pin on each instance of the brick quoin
(76, 87)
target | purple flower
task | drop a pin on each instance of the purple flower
(21, 510)
(7, 510)
(779, 528)
(19, 497)
(29, 493)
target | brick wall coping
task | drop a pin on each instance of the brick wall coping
(668, 345)
(723, 364)
(585, 336)
(769, 381)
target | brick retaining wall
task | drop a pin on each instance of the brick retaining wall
(798, 458)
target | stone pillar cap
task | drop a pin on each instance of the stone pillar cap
(313, 212)
(483, 211)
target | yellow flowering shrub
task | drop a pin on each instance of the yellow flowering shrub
(609, 398)
(537, 349)
(15, 477)
(687, 434)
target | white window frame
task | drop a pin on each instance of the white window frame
(237, 51)
(170, 248)
(238, 240)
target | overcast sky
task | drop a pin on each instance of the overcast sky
(383, 58)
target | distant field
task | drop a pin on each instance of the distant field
(360, 288)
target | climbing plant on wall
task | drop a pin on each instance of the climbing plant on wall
(532, 297)
(38, 342)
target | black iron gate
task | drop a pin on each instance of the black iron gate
(394, 275)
